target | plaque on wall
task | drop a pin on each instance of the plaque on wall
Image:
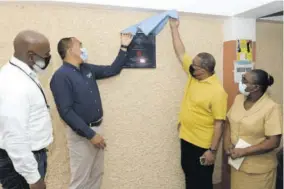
(142, 51)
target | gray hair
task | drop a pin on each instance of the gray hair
(207, 61)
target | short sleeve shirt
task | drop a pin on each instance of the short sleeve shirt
(253, 125)
(204, 102)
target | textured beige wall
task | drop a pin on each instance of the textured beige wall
(140, 106)
(269, 54)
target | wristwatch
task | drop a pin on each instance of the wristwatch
(212, 150)
(124, 46)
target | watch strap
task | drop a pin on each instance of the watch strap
(212, 150)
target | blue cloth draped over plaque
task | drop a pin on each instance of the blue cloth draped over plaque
(152, 25)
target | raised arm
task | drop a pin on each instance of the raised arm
(179, 48)
(115, 68)
(177, 42)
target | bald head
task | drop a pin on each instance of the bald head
(28, 44)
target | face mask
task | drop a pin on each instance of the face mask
(37, 69)
(198, 72)
(84, 54)
(191, 70)
(41, 64)
(242, 89)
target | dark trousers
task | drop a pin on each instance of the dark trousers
(197, 176)
(10, 179)
(279, 178)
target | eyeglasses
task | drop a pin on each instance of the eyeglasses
(197, 67)
(245, 81)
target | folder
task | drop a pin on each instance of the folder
(236, 163)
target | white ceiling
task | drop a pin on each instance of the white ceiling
(272, 7)
(246, 8)
(212, 7)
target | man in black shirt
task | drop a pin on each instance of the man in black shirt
(78, 101)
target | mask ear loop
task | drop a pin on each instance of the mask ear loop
(268, 78)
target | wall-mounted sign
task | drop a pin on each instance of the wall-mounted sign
(142, 52)
(241, 67)
(244, 50)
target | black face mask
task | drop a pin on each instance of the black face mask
(46, 62)
(191, 70)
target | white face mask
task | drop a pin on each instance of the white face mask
(37, 67)
(84, 54)
(242, 89)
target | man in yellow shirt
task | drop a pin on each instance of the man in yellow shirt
(202, 115)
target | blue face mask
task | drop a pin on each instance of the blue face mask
(84, 54)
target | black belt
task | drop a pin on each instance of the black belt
(3, 152)
(40, 151)
(96, 123)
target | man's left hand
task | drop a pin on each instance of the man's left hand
(238, 153)
(209, 158)
(126, 39)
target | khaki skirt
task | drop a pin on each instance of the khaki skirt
(242, 180)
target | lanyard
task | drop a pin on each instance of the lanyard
(40, 88)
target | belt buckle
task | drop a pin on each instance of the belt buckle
(99, 120)
(95, 122)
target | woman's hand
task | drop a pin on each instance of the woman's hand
(229, 149)
(237, 153)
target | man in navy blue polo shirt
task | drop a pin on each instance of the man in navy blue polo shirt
(78, 101)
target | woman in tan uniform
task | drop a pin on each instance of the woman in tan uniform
(255, 118)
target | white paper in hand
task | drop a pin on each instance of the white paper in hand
(238, 162)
